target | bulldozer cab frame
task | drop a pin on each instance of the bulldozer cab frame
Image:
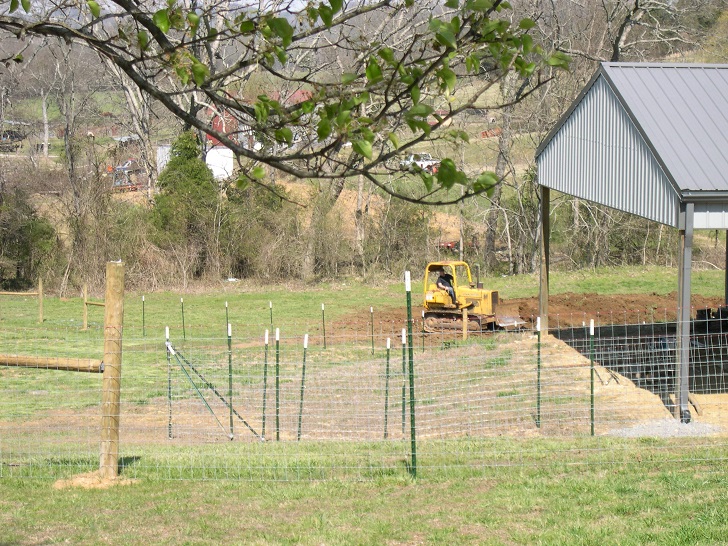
(460, 272)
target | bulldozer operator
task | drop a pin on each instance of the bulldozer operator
(444, 282)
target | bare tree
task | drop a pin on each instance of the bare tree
(414, 74)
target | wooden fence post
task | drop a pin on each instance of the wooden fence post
(111, 390)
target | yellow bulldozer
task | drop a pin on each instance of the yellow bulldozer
(449, 291)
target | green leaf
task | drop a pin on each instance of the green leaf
(363, 147)
(448, 77)
(199, 73)
(448, 174)
(283, 29)
(246, 27)
(452, 4)
(94, 7)
(307, 106)
(194, 20)
(161, 19)
(281, 54)
(394, 140)
(526, 44)
(526, 24)
(183, 75)
(18, 58)
(415, 94)
(327, 15)
(427, 179)
(559, 60)
(388, 55)
(336, 5)
(258, 173)
(347, 78)
(284, 135)
(374, 72)
(479, 5)
(143, 40)
(261, 112)
(486, 182)
(421, 110)
(14, 5)
(323, 129)
(26, 5)
(446, 37)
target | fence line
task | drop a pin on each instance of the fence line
(37, 294)
(480, 402)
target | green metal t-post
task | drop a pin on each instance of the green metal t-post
(303, 386)
(144, 334)
(169, 383)
(278, 385)
(265, 382)
(423, 331)
(182, 304)
(323, 323)
(413, 429)
(404, 380)
(230, 373)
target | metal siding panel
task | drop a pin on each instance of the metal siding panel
(711, 216)
(599, 155)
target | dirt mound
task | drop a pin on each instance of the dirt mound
(571, 309)
(567, 310)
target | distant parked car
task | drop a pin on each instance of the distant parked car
(10, 140)
(125, 176)
(423, 161)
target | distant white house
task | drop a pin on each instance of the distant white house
(219, 159)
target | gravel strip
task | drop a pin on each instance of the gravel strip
(666, 428)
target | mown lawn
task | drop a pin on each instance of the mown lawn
(682, 503)
(643, 496)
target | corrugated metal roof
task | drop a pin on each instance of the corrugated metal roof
(642, 138)
(683, 112)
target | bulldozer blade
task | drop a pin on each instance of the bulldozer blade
(507, 316)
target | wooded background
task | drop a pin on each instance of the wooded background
(61, 218)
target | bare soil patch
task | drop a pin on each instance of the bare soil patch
(569, 309)
(92, 480)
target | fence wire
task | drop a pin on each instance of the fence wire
(218, 407)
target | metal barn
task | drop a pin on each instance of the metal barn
(650, 139)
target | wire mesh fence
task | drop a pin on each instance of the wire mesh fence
(337, 402)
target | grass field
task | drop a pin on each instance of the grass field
(561, 503)
(500, 490)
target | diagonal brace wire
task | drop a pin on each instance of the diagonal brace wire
(180, 359)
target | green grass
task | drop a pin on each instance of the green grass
(675, 502)
(469, 491)
(617, 280)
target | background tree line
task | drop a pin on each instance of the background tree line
(60, 219)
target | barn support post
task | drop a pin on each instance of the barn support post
(682, 364)
(111, 389)
(545, 224)
(725, 290)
